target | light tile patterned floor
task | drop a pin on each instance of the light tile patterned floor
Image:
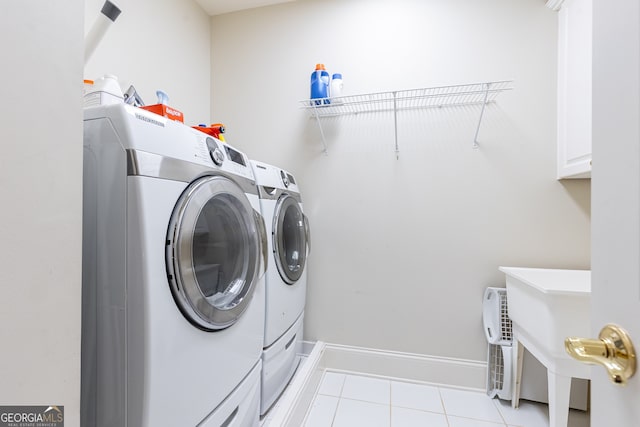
(345, 400)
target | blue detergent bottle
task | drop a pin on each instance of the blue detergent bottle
(320, 84)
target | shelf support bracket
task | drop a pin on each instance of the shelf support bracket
(484, 104)
(324, 141)
(395, 123)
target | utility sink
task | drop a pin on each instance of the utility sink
(549, 305)
(545, 307)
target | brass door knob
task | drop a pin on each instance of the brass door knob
(613, 349)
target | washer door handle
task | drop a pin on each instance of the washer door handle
(264, 247)
(307, 232)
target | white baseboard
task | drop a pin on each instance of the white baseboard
(441, 371)
(448, 372)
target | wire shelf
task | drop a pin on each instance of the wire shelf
(433, 97)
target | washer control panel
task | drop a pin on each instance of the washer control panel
(215, 152)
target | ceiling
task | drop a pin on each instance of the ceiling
(218, 7)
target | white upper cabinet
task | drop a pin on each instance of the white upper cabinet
(574, 87)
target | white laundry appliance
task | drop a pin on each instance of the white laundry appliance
(174, 253)
(286, 278)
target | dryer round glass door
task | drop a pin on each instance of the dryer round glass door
(289, 239)
(213, 252)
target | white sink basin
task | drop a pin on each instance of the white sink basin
(546, 306)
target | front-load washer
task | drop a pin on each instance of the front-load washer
(174, 254)
(286, 278)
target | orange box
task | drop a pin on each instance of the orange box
(166, 111)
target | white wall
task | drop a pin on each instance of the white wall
(157, 45)
(40, 190)
(403, 249)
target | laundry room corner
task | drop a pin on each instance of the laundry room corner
(410, 236)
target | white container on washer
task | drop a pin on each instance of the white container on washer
(106, 90)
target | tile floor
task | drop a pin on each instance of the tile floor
(345, 400)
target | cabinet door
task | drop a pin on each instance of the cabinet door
(574, 89)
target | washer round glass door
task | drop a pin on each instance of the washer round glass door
(213, 252)
(289, 239)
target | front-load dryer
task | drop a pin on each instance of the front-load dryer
(174, 253)
(286, 278)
